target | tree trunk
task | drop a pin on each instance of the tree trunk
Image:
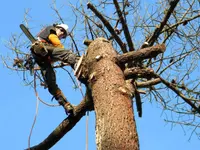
(115, 124)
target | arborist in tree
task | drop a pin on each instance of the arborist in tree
(48, 49)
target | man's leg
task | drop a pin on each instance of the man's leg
(50, 79)
(67, 56)
(57, 54)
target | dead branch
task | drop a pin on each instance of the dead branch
(125, 27)
(158, 30)
(66, 125)
(108, 26)
(145, 53)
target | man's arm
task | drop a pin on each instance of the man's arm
(55, 40)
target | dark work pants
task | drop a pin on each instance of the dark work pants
(60, 54)
(55, 54)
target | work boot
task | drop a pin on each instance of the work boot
(63, 102)
(68, 108)
(66, 105)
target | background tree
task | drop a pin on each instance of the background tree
(167, 79)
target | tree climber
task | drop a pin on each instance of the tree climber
(48, 49)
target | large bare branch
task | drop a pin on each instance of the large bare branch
(141, 54)
(66, 125)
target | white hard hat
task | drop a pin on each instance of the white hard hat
(64, 26)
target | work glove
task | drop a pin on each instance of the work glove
(39, 49)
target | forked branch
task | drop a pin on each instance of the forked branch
(158, 30)
(108, 26)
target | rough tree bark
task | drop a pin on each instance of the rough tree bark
(115, 124)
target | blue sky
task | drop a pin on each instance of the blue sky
(18, 102)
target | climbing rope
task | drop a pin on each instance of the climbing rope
(38, 99)
(87, 115)
(36, 112)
